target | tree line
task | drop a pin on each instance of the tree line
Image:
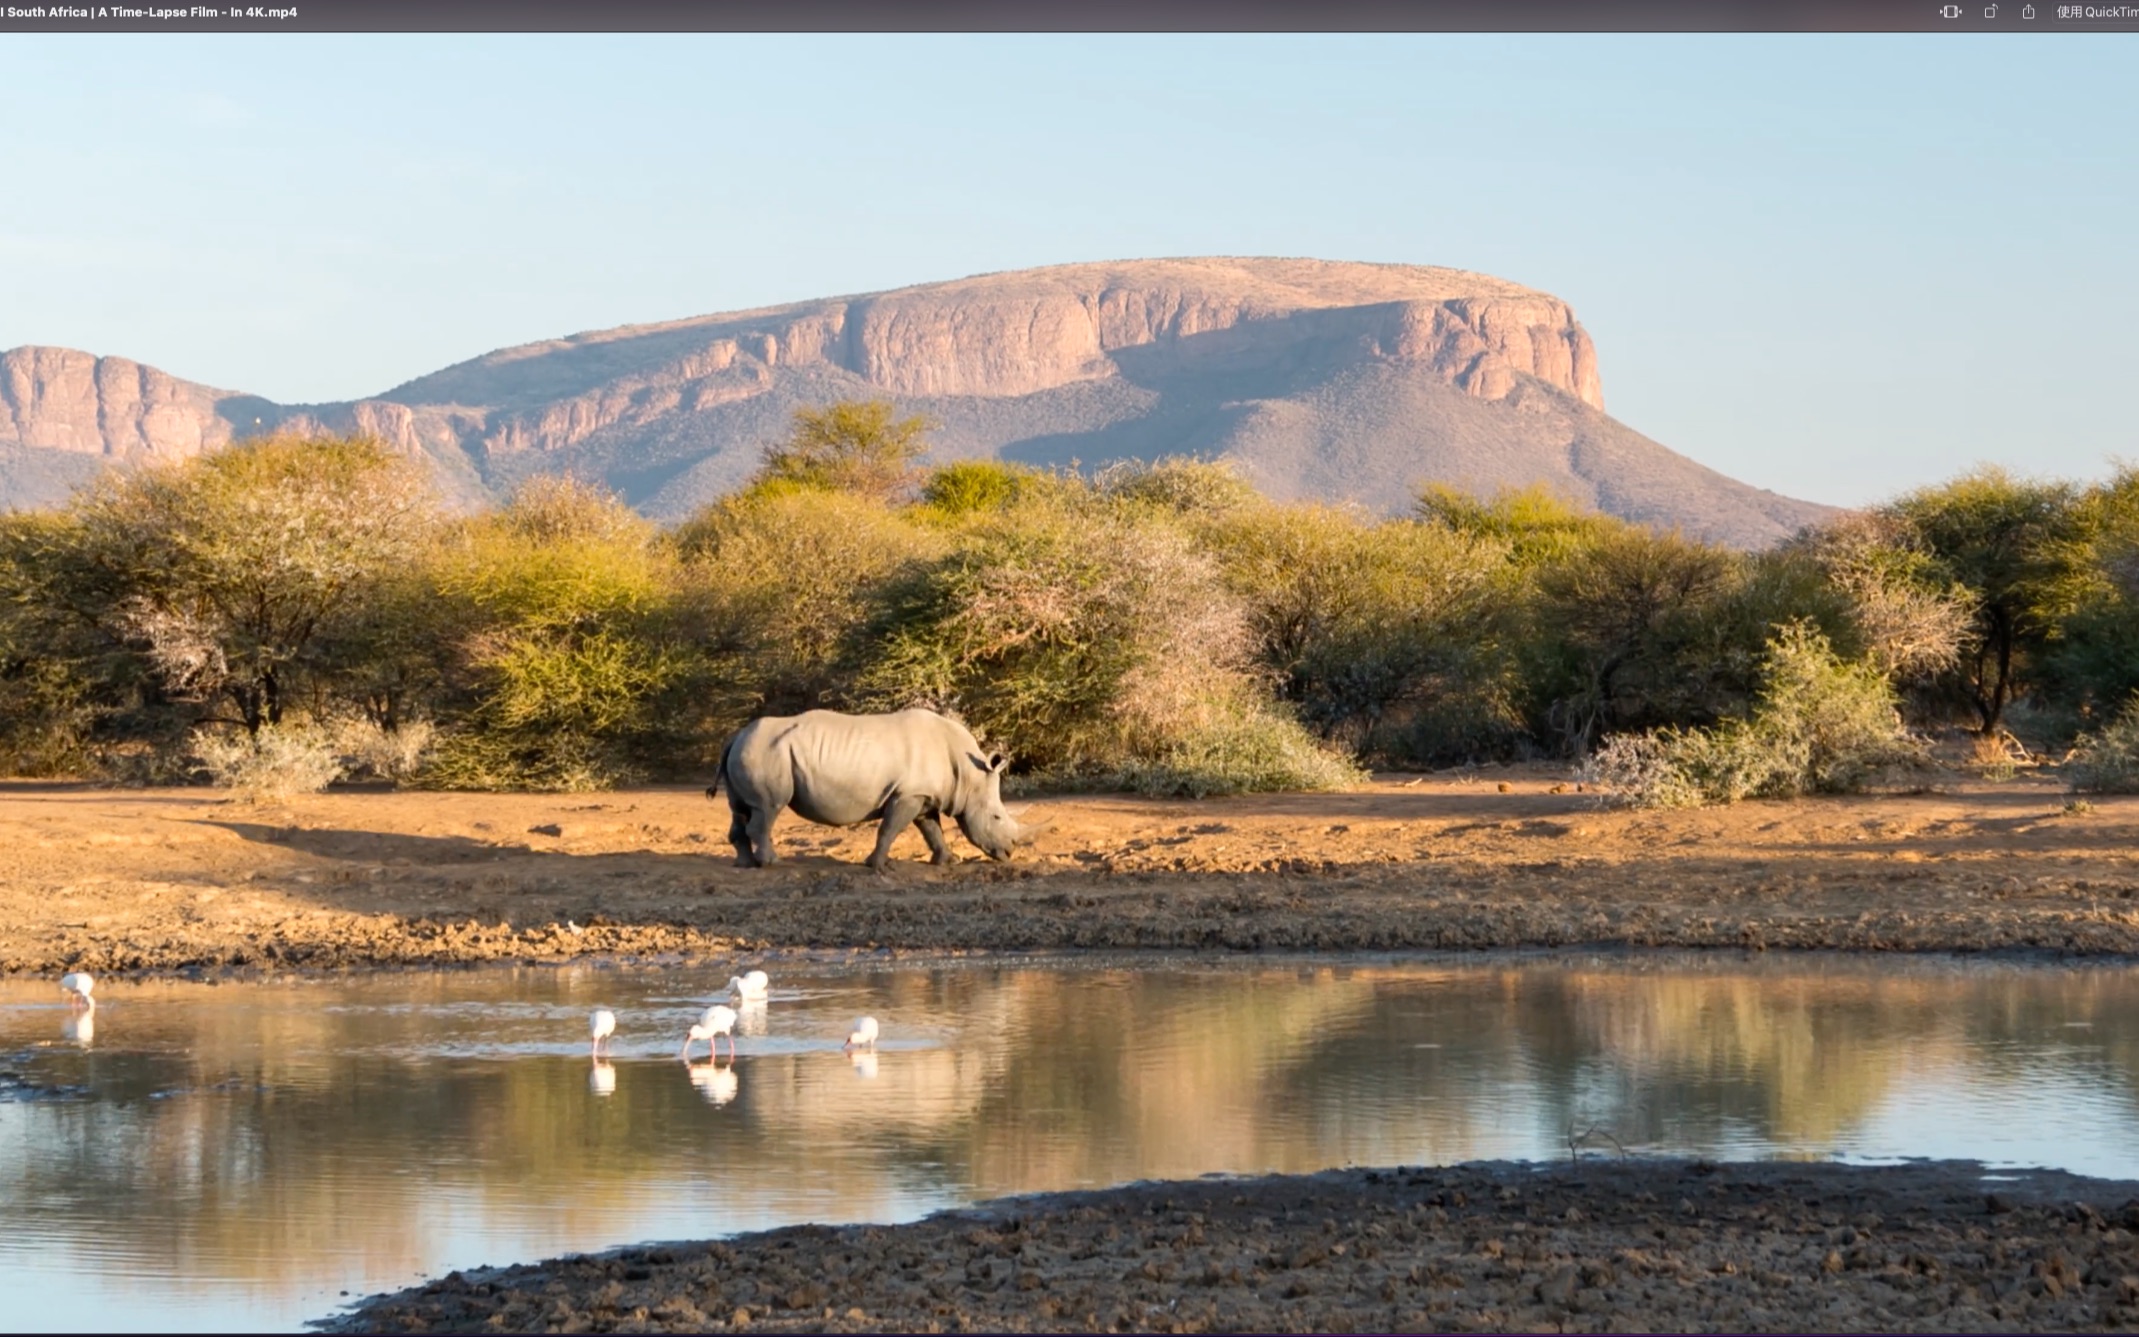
(288, 610)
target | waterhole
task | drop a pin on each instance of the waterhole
(253, 1155)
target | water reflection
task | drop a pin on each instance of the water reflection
(79, 1027)
(236, 1154)
(716, 1083)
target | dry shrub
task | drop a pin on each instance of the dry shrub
(394, 754)
(1913, 623)
(2107, 761)
(277, 763)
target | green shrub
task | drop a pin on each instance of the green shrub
(568, 645)
(1820, 725)
(1239, 746)
(226, 571)
(781, 586)
(1199, 489)
(1386, 637)
(977, 487)
(861, 447)
(1094, 643)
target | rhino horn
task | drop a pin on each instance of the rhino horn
(1027, 832)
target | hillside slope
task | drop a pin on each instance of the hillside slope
(1322, 379)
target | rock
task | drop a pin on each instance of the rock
(1319, 378)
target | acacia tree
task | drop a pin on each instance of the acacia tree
(851, 446)
(2021, 548)
(226, 569)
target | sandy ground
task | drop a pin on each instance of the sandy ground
(111, 880)
(1603, 1246)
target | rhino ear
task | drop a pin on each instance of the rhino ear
(996, 761)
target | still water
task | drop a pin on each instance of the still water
(243, 1155)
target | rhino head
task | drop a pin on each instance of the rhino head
(986, 822)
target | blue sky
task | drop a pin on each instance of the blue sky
(1837, 267)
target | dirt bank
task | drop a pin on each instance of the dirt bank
(149, 880)
(1632, 1246)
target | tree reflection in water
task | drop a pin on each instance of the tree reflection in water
(253, 1140)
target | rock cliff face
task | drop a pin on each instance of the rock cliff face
(59, 399)
(1321, 378)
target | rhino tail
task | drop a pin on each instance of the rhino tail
(720, 773)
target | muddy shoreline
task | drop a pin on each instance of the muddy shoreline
(1604, 1244)
(185, 880)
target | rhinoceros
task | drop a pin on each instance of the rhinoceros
(912, 767)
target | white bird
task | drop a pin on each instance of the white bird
(719, 1020)
(601, 1079)
(601, 1025)
(77, 986)
(864, 1034)
(750, 986)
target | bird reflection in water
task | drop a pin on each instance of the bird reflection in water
(601, 1080)
(715, 1081)
(750, 1016)
(864, 1061)
(80, 1027)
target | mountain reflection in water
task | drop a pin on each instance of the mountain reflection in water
(238, 1154)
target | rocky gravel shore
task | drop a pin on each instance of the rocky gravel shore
(1600, 1245)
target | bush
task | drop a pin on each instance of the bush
(370, 749)
(226, 571)
(781, 586)
(1202, 489)
(567, 648)
(1821, 725)
(1386, 637)
(979, 487)
(1241, 746)
(277, 762)
(1630, 629)
(2107, 761)
(1096, 645)
(851, 446)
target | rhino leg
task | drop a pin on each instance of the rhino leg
(739, 834)
(758, 829)
(898, 815)
(939, 850)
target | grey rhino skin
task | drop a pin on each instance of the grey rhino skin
(913, 767)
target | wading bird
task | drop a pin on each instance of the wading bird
(77, 987)
(864, 1035)
(749, 987)
(601, 1025)
(719, 1020)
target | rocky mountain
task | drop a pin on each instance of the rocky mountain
(1318, 378)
